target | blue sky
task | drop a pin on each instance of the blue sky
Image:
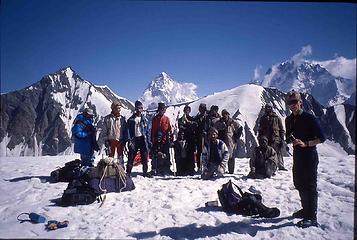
(125, 45)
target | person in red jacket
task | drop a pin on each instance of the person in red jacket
(161, 138)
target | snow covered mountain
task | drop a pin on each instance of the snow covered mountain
(245, 104)
(37, 120)
(165, 89)
(310, 78)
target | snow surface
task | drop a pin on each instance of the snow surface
(174, 207)
(341, 117)
(340, 67)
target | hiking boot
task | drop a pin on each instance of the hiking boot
(307, 223)
(299, 214)
(167, 172)
(147, 174)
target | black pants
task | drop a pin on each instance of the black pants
(139, 143)
(199, 148)
(161, 158)
(305, 179)
(186, 165)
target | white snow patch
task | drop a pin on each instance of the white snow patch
(341, 117)
(174, 207)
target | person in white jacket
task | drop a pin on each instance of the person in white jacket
(215, 156)
(114, 133)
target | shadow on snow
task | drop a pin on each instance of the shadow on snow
(192, 231)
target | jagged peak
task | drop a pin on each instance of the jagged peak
(164, 75)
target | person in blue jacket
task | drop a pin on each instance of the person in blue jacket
(84, 134)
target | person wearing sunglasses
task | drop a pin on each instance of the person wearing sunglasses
(304, 132)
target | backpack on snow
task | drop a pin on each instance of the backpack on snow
(233, 200)
(78, 193)
(70, 171)
(110, 176)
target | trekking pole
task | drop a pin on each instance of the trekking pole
(202, 145)
(173, 160)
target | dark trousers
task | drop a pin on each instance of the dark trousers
(231, 164)
(305, 179)
(199, 147)
(139, 144)
(161, 158)
(185, 165)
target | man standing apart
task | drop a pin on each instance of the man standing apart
(304, 132)
(138, 139)
(114, 132)
(270, 125)
(85, 137)
(229, 131)
(161, 134)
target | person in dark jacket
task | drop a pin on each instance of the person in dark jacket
(187, 131)
(161, 138)
(271, 126)
(138, 139)
(183, 158)
(304, 132)
(213, 116)
(229, 131)
(84, 134)
(201, 120)
(263, 162)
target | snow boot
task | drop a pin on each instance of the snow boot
(307, 223)
(299, 214)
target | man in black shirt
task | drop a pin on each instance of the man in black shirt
(304, 132)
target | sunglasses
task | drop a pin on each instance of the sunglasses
(293, 102)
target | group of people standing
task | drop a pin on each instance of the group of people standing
(209, 141)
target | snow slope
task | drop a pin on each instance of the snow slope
(174, 207)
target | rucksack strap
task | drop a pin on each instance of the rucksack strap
(120, 177)
(23, 220)
(239, 189)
